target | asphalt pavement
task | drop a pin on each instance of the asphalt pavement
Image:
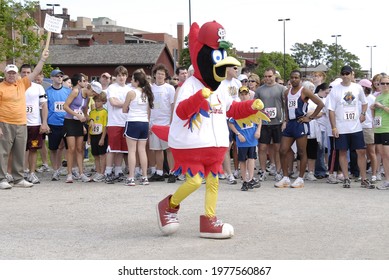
(97, 221)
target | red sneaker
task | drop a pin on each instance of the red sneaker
(214, 228)
(167, 217)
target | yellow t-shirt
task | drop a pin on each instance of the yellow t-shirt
(13, 101)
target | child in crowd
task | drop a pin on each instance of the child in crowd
(246, 141)
(97, 136)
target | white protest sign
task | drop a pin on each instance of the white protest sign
(53, 24)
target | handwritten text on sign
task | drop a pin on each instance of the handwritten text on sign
(53, 24)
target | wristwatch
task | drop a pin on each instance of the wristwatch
(363, 113)
(311, 118)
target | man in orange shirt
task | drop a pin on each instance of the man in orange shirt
(13, 122)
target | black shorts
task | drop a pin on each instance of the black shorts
(73, 128)
(381, 138)
(96, 149)
(270, 134)
(55, 136)
(312, 147)
(245, 153)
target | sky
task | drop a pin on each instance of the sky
(254, 23)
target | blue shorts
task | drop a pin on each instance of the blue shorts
(352, 141)
(245, 153)
(295, 129)
(137, 130)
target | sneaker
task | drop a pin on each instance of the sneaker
(144, 181)
(125, 170)
(278, 177)
(26, 173)
(272, 170)
(283, 183)
(109, 178)
(298, 183)
(98, 178)
(84, 178)
(129, 182)
(310, 177)
(262, 176)
(253, 184)
(156, 178)
(231, 180)
(171, 178)
(9, 177)
(340, 178)
(181, 177)
(4, 185)
(43, 168)
(373, 179)
(244, 187)
(332, 179)
(138, 176)
(379, 177)
(76, 174)
(23, 184)
(120, 177)
(346, 183)
(214, 228)
(69, 179)
(32, 178)
(236, 174)
(55, 176)
(167, 217)
(383, 186)
(222, 176)
(367, 184)
(358, 179)
(295, 174)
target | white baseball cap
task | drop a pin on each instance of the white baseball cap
(11, 67)
(96, 87)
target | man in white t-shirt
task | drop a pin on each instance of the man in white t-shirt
(116, 95)
(36, 124)
(344, 106)
(161, 114)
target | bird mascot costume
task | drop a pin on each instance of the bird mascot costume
(198, 135)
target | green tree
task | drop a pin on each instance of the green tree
(333, 56)
(276, 60)
(19, 38)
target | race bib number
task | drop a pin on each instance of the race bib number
(292, 104)
(97, 129)
(349, 114)
(29, 109)
(78, 112)
(272, 112)
(377, 122)
(58, 106)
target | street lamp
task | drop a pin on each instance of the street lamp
(190, 14)
(336, 52)
(371, 60)
(253, 49)
(284, 20)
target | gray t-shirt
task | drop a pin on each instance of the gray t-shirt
(273, 99)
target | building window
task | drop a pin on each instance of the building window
(110, 42)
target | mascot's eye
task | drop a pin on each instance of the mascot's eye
(218, 55)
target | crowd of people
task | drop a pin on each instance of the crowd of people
(330, 130)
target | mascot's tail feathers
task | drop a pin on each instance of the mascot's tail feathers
(162, 131)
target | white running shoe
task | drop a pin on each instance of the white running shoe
(283, 183)
(298, 183)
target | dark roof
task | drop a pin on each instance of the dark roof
(106, 54)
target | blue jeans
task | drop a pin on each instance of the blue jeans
(320, 166)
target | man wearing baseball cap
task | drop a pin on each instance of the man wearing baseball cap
(13, 121)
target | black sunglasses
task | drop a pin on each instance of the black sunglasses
(345, 73)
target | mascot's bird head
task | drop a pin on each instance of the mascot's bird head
(208, 53)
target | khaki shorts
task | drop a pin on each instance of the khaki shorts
(157, 144)
(368, 136)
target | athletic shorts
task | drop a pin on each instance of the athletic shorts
(352, 141)
(312, 147)
(270, 134)
(137, 130)
(295, 129)
(34, 138)
(157, 144)
(116, 140)
(55, 136)
(96, 149)
(245, 153)
(381, 138)
(73, 128)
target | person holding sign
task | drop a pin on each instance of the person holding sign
(272, 96)
(381, 127)
(344, 105)
(13, 121)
